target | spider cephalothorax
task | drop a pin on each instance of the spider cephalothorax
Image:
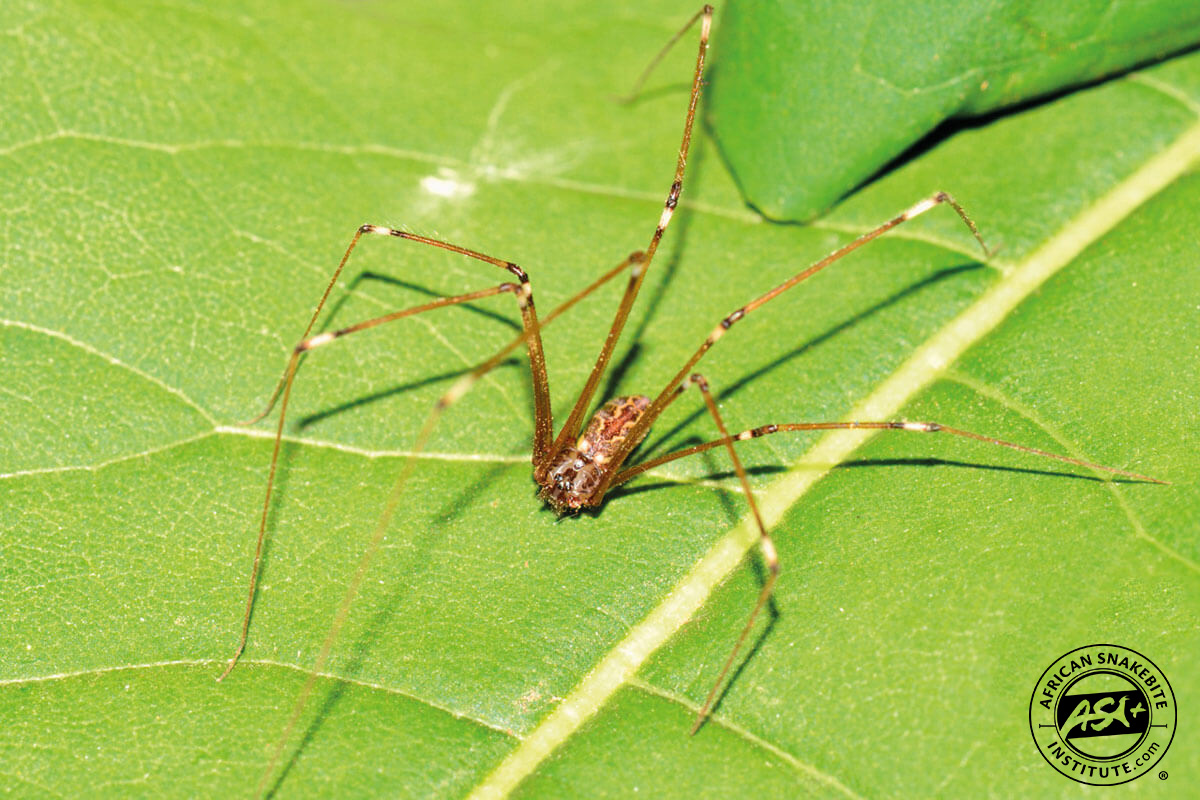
(572, 479)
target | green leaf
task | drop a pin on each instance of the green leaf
(814, 98)
(180, 181)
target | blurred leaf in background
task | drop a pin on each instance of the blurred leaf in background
(813, 98)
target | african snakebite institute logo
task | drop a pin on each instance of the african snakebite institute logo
(1103, 715)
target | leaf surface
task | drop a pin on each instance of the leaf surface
(180, 182)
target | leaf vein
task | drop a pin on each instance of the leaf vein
(1166, 89)
(794, 762)
(92, 350)
(215, 663)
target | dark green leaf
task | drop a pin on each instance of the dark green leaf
(813, 98)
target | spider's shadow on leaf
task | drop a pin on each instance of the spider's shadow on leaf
(666, 90)
(619, 369)
(399, 283)
(976, 465)
(383, 394)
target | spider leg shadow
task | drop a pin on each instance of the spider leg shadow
(391, 280)
(480, 487)
(637, 487)
(364, 642)
(946, 462)
(751, 652)
(647, 95)
(383, 394)
(327, 705)
(640, 485)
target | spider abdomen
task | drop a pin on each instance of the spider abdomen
(575, 474)
(610, 427)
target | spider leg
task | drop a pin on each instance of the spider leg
(286, 383)
(912, 427)
(543, 425)
(570, 429)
